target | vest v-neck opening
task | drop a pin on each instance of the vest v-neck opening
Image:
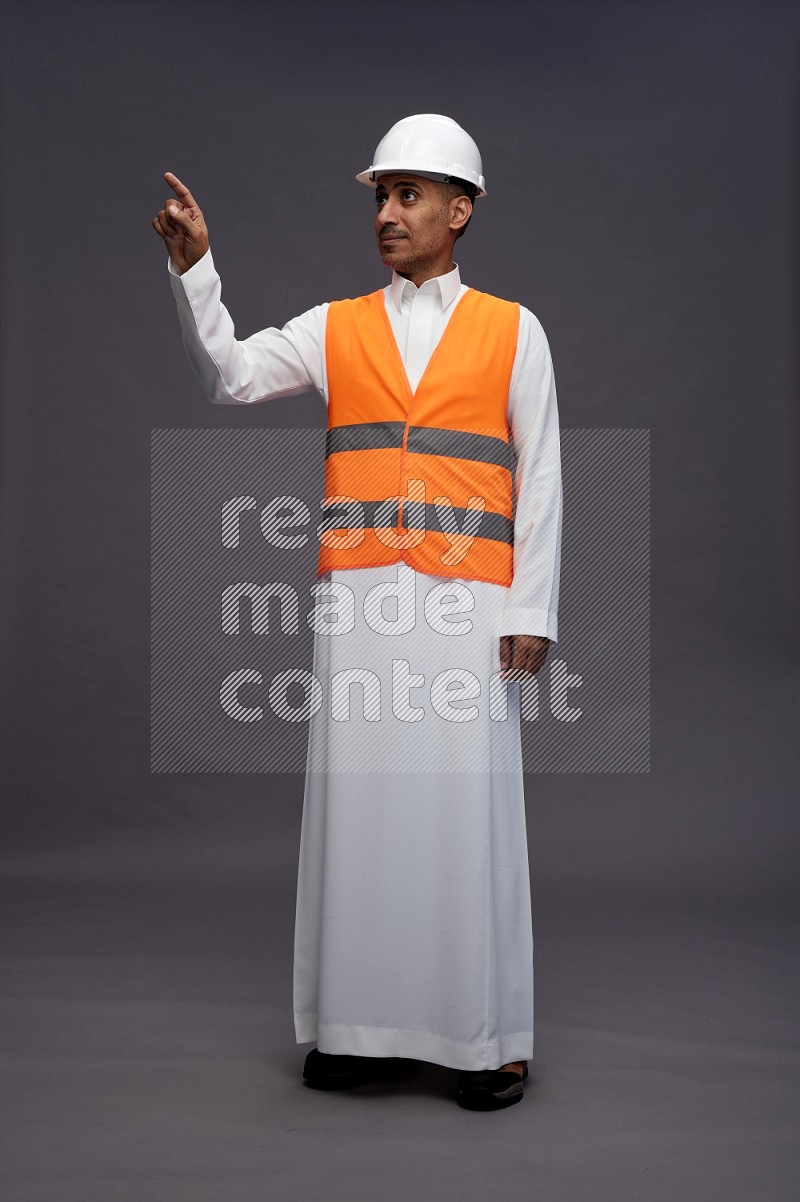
(412, 392)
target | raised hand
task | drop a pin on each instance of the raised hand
(182, 226)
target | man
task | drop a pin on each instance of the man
(413, 932)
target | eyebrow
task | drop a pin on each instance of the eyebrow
(400, 183)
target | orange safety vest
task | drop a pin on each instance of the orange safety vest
(424, 476)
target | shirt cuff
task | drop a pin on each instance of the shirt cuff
(196, 279)
(522, 620)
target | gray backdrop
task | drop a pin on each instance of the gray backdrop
(641, 164)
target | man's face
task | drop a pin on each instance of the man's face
(412, 222)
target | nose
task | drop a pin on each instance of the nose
(387, 213)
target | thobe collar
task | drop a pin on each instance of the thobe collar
(447, 286)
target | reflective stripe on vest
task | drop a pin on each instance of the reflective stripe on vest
(423, 476)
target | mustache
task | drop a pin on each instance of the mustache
(389, 232)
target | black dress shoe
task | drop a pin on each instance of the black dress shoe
(491, 1089)
(325, 1071)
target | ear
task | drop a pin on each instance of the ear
(460, 212)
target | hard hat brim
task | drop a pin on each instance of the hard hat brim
(369, 177)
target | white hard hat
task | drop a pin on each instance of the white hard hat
(431, 145)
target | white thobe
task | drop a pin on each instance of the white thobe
(413, 932)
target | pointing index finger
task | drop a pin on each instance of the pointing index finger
(181, 191)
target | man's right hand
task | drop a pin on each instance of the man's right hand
(182, 226)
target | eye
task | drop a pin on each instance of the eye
(409, 192)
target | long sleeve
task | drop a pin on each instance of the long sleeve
(271, 363)
(532, 604)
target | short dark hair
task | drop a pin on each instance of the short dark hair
(452, 187)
